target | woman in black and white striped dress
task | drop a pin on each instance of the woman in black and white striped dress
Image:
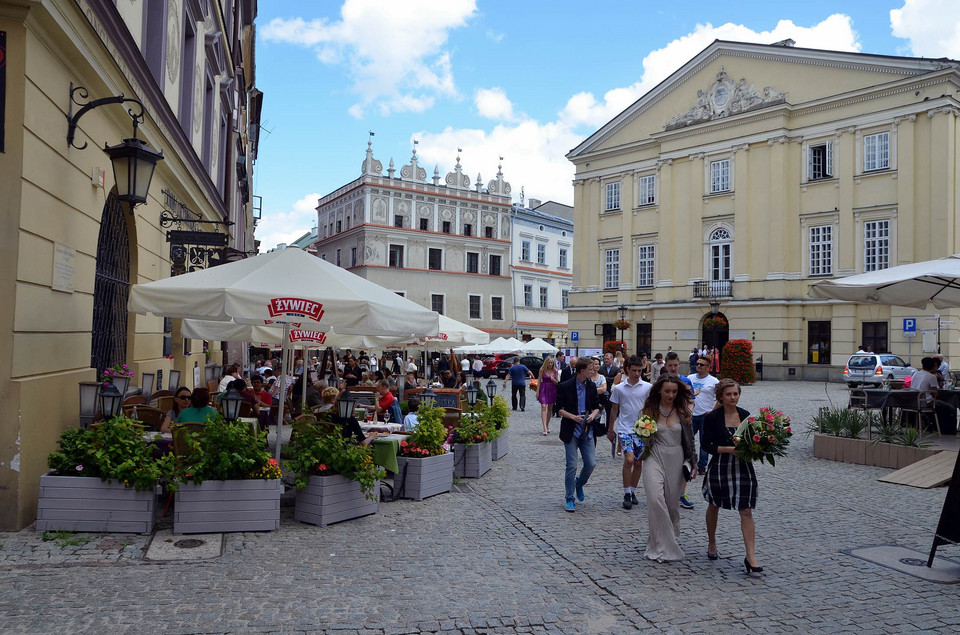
(729, 483)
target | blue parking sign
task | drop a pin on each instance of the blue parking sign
(909, 325)
(574, 336)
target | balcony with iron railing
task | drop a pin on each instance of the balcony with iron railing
(712, 289)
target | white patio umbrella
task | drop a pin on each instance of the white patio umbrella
(289, 287)
(914, 285)
(537, 346)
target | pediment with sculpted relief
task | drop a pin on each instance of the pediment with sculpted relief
(724, 97)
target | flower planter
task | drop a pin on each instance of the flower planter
(225, 506)
(332, 498)
(866, 452)
(420, 478)
(83, 503)
(471, 461)
(500, 446)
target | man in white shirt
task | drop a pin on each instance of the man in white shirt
(465, 369)
(927, 381)
(627, 401)
(477, 367)
(233, 372)
(943, 369)
(704, 400)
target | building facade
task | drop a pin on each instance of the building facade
(444, 244)
(749, 174)
(70, 249)
(542, 267)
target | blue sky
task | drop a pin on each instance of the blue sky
(526, 80)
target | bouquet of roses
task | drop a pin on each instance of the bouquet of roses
(645, 427)
(763, 437)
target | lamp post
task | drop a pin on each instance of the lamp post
(88, 402)
(491, 390)
(623, 318)
(346, 405)
(472, 393)
(111, 401)
(231, 404)
(428, 397)
(133, 160)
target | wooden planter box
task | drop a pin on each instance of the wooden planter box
(84, 503)
(332, 498)
(500, 446)
(866, 452)
(225, 506)
(471, 461)
(424, 477)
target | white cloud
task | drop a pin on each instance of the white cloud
(534, 152)
(493, 103)
(393, 51)
(285, 226)
(931, 26)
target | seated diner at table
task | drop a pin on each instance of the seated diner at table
(448, 379)
(261, 396)
(387, 402)
(927, 380)
(349, 427)
(199, 409)
(241, 387)
(181, 400)
(410, 421)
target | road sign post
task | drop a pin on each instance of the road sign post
(575, 339)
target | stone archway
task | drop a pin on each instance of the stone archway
(712, 335)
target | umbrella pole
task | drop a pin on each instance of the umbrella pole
(284, 365)
(306, 376)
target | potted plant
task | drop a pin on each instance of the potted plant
(335, 478)
(837, 431)
(103, 478)
(119, 375)
(472, 456)
(496, 417)
(225, 480)
(425, 461)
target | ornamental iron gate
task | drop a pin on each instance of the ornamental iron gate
(111, 289)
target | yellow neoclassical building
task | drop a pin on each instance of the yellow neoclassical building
(749, 174)
(69, 249)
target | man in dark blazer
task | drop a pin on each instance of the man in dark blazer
(567, 372)
(579, 409)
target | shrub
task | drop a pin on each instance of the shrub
(318, 451)
(430, 435)
(224, 450)
(495, 417)
(736, 362)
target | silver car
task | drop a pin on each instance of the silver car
(874, 368)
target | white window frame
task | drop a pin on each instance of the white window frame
(646, 265)
(403, 255)
(564, 298)
(718, 248)
(612, 201)
(466, 261)
(820, 250)
(525, 250)
(877, 239)
(611, 269)
(528, 295)
(541, 254)
(563, 258)
(443, 300)
(647, 190)
(493, 314)
(544, 297)
(479, 298)
(720, 174)
(827, 171)
(876, 155)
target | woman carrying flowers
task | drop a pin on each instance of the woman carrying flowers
(730, 482)
(668, 449)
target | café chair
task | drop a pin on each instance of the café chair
(152, 418)
(247, 410)
(161, 393)
(135, 400)
(858, 400)
(165, 403)
(181, 450)
(927, 404)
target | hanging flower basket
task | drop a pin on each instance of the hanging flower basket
(715, 322)
(621, 325)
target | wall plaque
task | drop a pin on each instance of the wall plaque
(64, 266)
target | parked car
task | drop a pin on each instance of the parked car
(874, 368)
(490, 363)
(532, 362)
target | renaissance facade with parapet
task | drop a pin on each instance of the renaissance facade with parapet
(443, 242)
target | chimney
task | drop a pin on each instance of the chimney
(534, 203)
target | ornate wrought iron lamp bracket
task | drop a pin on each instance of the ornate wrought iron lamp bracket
(85, 107)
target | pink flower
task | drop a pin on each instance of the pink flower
(779, 413)
(769, 417)
(789, 431)
(771, 438)
(769, 426)
(79, 468)
(736, 440)
(751, 419)
(756, 438)
(125, 367)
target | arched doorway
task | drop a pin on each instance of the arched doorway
(111, 288)
(715, 330)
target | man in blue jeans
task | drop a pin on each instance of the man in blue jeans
(704, 400)
(518, 375)
(580, 414)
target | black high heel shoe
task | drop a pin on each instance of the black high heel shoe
(713, 556)
(746, 564)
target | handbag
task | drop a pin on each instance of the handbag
(687, 471)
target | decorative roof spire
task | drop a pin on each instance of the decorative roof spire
(479, 183)
(371, 166)
(390, 169)
(436, 175)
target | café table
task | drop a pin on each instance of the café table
(385, 450)
(163, 441)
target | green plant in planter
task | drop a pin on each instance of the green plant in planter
(429, 437)
(222, 451)
(110, 450)
(887, 429)
(318, 451)
(837, 422)
(912, 438)
(471, 430)
(496, 417)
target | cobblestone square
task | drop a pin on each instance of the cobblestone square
(500, 555)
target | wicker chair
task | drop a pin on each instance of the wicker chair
(152, 418)
(180, 447)
(165, 403)
(161, 393)
(135, 400)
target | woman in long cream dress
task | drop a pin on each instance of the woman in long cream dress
(663, 480)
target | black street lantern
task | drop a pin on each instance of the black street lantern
(472, 395)
(231, 404)
(428, 397)
(111, 401)
(346, 405)
(133, 165)
(491, 389)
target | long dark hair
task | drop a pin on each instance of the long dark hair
(681, 403)
(176, 402)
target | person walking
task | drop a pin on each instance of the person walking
(656, 367)
(518, 374)
(628, 399)
(694, 356)
(704, 400)
(547, 391)
(579, 412)
(729, 483)
(671, 447)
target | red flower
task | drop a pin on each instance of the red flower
(771, 438)
(756, 438)
(272, 461)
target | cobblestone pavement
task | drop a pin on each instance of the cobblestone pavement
(501, 555)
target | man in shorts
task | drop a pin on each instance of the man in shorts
(626, 403)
